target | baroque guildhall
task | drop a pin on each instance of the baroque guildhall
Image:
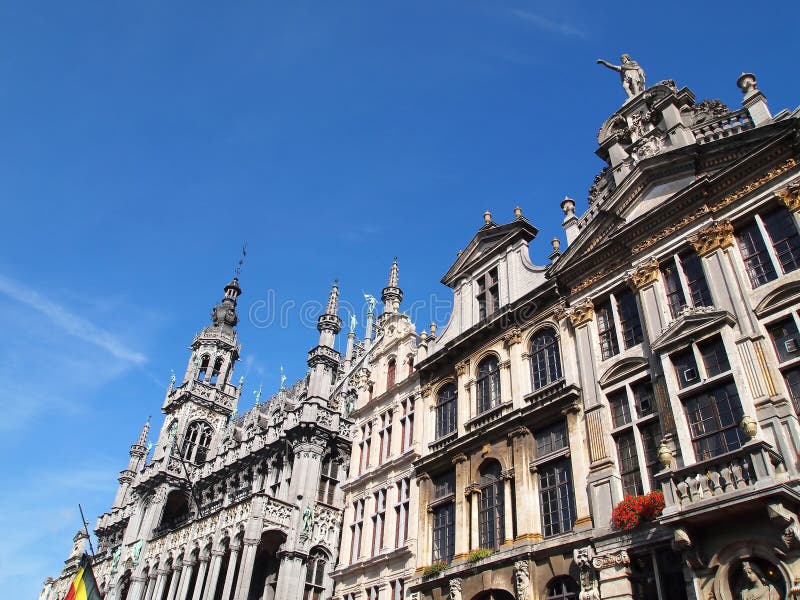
(513, 452)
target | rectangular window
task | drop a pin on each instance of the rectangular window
(551, 439)
(363, 445)
(686, 368)
(355, 530)
(605, 328)
(407, 423)
(715, 359)
(444, 530)
(651, 440)
(785, 241)
(391, 373)
(629, 464)
(329, 478)
(385, 436)
(792, 377)
(556, 498)
(620, 410)
(444, 485)
(696, 280)
(672, 284)
(714, 418)
(785, 338)
(754, 253)
(629, 321)
(645, 399)
(378, 521)
(488, 294)
(401, 512)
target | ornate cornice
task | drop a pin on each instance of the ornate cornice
(643, 274)
(581, 313)
(512, 337)
(614, 559)
(790, 196)
(667, 231)
(459, 458)
(743, 191)
(716, 235)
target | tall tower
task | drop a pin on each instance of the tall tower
(206, 395)
(323, 361)
(392, 295)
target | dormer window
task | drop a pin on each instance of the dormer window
(488, 294)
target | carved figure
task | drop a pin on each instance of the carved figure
(171, 378)
(758, 587)
(137, 550)
(630, 72)
(353, 323)
(308, 521)
(455, 590)
(371, 302)
(115, 558)
(522, 579)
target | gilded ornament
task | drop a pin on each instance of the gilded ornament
(743, 191)
(716, 235)
(643, 275)
(790, 196)
(581, 313)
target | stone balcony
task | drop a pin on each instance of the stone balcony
(204, 394)
(751, 472)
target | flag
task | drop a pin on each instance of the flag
(84, 587)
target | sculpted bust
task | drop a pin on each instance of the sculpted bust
(756, 585)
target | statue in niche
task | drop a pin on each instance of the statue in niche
(630, 72)
(522, 579)
(308, 522)
(755, 585)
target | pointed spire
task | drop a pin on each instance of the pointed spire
(392, 295)
(143, 435)
(333, 299)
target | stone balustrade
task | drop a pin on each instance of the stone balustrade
(742, 472)
(726, 126)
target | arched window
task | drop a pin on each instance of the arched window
(196, 442)
(491, 517)
(410, 363)
(488, 384)
(328, 480)
(201, 372)
(391, 373)
(562, 588)
(545, 359)
(215, 371)
(176, 511)
(446, 409)
(315, 575)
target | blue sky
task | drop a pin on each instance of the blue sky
(142, 143)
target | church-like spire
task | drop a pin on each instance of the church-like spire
(142, 441)
(329, 321)
(392, 295)
(224, 314)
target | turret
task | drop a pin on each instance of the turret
(392, 295)
(323, 361)
(138, 454)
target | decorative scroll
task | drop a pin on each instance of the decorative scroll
(716, 235)
(643, 275)
(581, 313)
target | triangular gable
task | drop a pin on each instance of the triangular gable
(691, 324)
(783, 297)
(489, 237)
(622, 370)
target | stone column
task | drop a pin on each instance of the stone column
(614, 575)
(231, 572)
(137, 587)
(465, 400)
(151, 584)
(641, 280)
(506, 393)
(186, 580)
(524, 492)
(201, 575)
(246, 569)
(513, 341)
(160, 583)
(213, 578)
(173, 585)
(424, 542)
(474, 499)
(580, 468)
(290, 577)
(508, 508)
(462, 529)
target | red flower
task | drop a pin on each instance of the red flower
(633, 510)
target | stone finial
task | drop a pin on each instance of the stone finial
(568, 206)
(747, 83)
(517, 212)
(716, 235)
(433, 329)
(392, 295)
(143, 435)
(556, 243)
(393, 274)
(487, 217)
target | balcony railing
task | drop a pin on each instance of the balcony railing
(723, 127)
(722, 479)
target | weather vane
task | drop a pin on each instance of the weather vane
(238, 270)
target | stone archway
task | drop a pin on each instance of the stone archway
(265, 566)
(493, 595)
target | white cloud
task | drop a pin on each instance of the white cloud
(69, 322)
(546, 24)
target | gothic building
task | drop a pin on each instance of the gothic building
(620, 422)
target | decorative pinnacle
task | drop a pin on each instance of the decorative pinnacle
(333, 299)
(143, 436)
(487, 217)
(517, 212)
(393, 274)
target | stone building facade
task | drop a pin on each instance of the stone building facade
(657, 351)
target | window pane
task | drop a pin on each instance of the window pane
(545, 359)
(620, 411)
(630, 324)
(645, 398)
(754, 252)
(780, 227)
(629, 465)
(605, 328)
(698, 287)
(685, 368)
(672, 284)
(785, 338)
(555, 495)
(551, 439)
(714, 418)
(715, 359)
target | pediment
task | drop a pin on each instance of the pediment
(623, 369)
(692, 323)
(489, 239)
(785, 296)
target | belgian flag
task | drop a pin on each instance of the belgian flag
(84, 587)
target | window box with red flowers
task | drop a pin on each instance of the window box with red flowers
(635, 510)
